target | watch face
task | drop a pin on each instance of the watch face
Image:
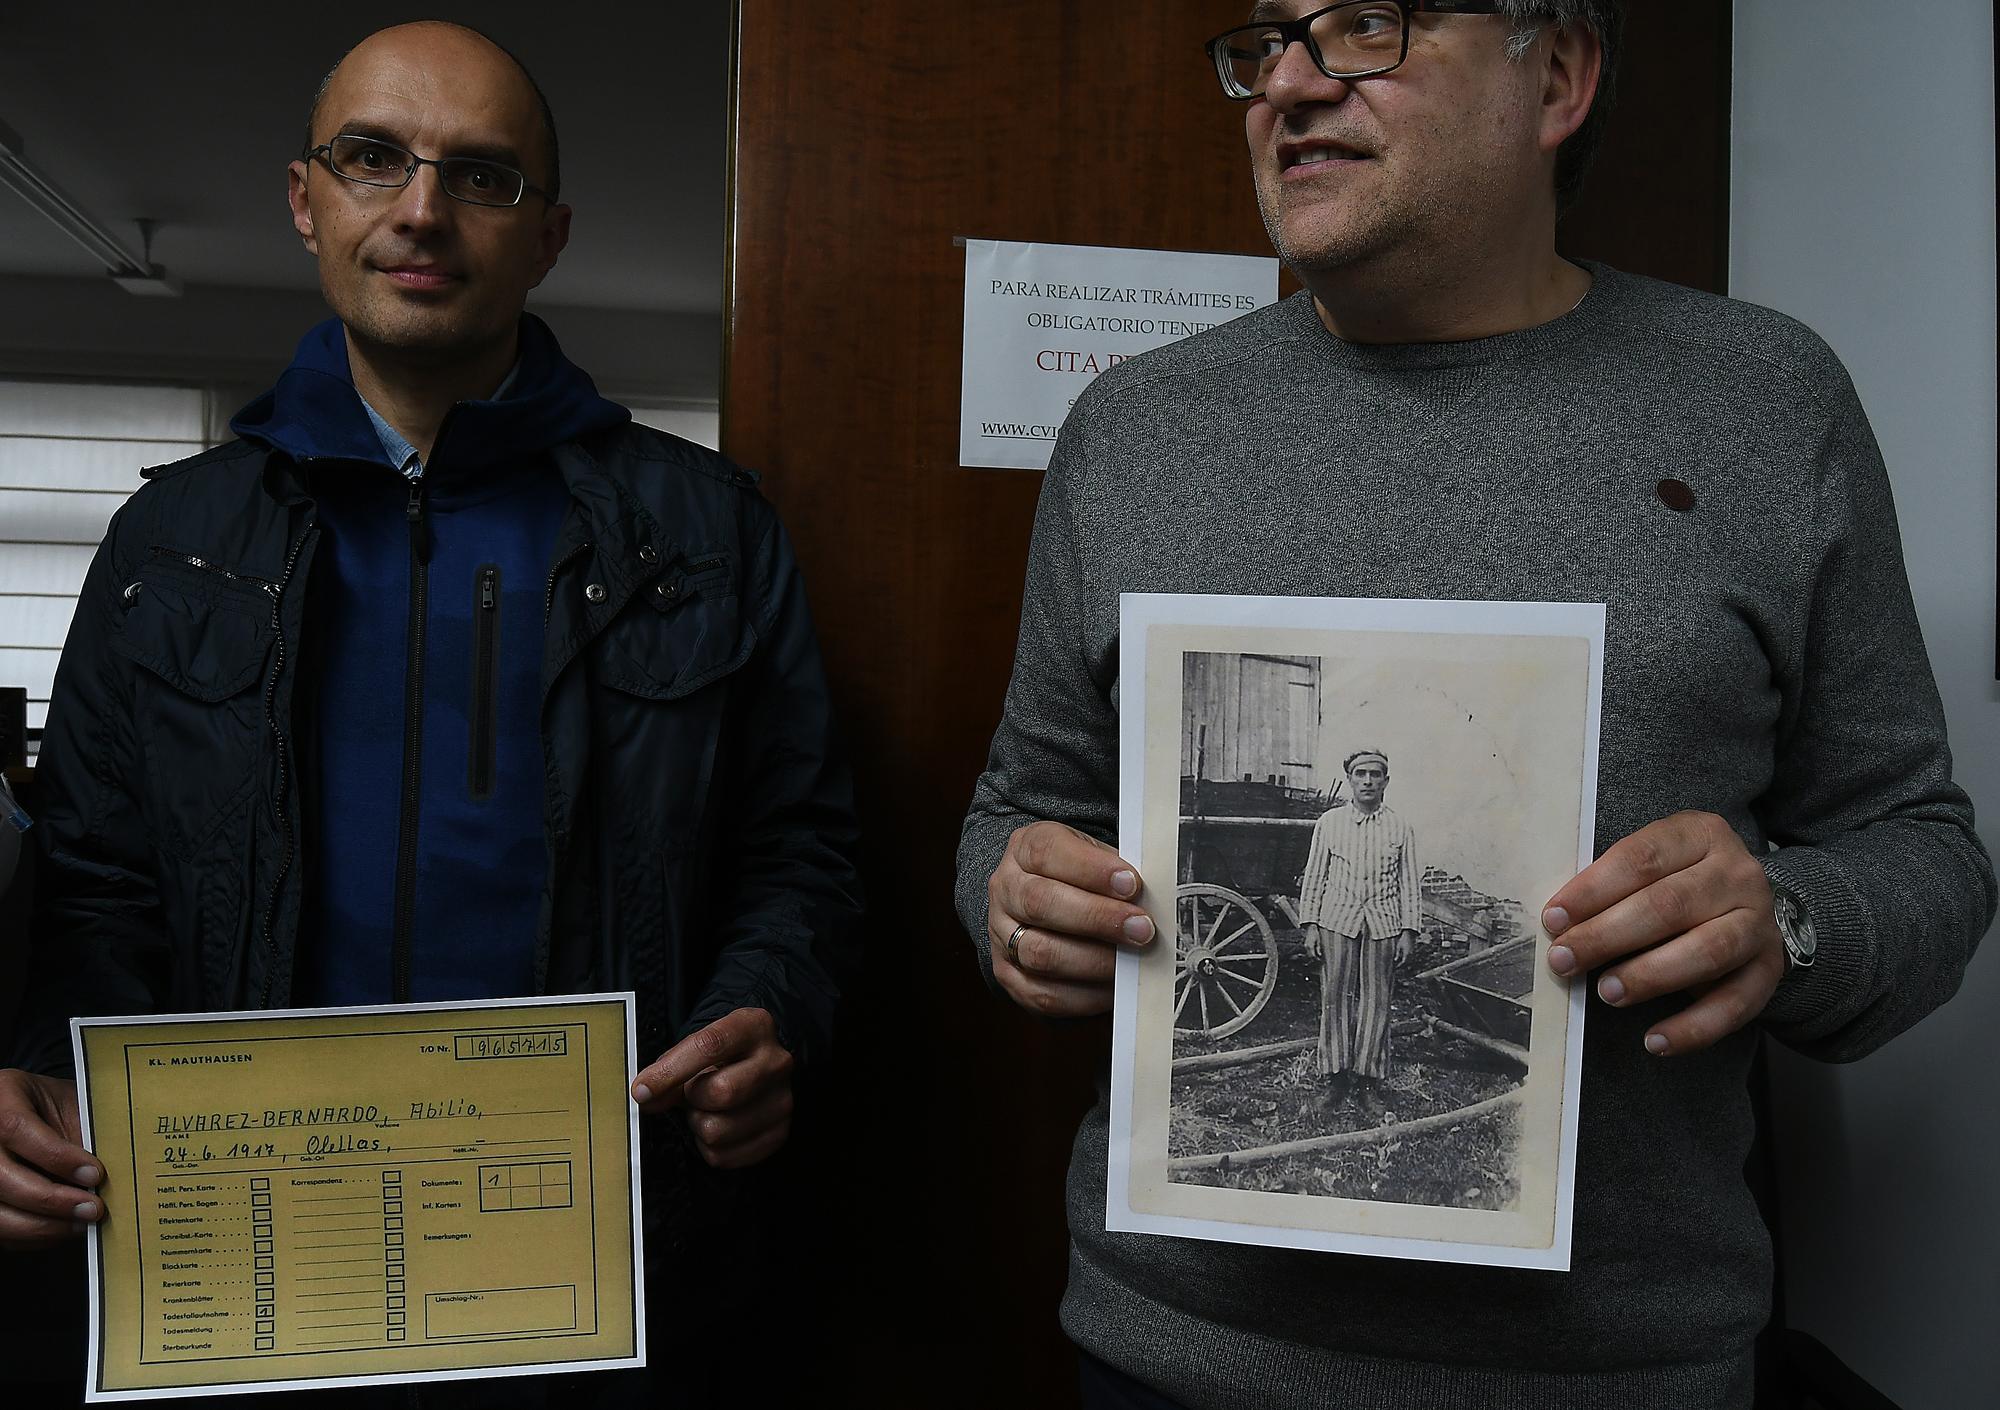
(1795, 926)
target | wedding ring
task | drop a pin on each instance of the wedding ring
(1014, 945)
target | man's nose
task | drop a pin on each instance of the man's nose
(1296, 81)
(422, 204)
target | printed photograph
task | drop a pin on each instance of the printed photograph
(1351, 993)
(1353, 1042)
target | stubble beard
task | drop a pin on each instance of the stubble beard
(1333, 244)
(1398, 236)
(415, 336)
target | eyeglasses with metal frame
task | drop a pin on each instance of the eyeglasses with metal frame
(370, 161)
(1354, 39)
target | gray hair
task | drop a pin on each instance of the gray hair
(1605, 19)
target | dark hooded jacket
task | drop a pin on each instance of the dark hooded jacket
(692, 836)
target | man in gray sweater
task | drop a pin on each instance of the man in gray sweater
(1782, 846)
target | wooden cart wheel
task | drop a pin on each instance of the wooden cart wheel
(1225, 960)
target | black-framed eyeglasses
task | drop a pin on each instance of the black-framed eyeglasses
(1354, 39)
(373, 162)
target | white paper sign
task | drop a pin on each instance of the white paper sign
(1041, 321)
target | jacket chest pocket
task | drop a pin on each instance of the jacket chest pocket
(668, 659)
(681, 632)
(202, 641)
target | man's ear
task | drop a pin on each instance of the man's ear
(302, 218)
(1573, 64)
(550, 241)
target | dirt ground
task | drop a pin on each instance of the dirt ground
(1467, 1165)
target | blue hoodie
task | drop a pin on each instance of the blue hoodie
(421, 755)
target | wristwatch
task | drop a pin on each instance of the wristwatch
(1795, 928)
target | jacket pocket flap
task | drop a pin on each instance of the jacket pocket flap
(204, 647)
(695, 634)
(701, 577)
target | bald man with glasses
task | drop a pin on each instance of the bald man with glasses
(443, 680)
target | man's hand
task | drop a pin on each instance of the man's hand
(46, 1177)
(1686, 908)
(1406, 945)
(1072, 899)
(735, 1079)
(1314, 938)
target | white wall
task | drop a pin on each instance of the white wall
(697, 421)
(1862, 201)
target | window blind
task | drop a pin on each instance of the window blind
(70, 452)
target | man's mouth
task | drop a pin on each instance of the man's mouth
(419, 277)
(1309, 158)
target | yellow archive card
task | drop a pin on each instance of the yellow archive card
(345, 1196)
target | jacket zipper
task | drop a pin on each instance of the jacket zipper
(549, 597)
(413, 742)
(485, 682)
(281, 747)
(189, 560)
(558, 843)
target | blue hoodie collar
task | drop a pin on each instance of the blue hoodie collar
(313, 412)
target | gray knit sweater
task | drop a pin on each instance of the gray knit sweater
(1763, 661)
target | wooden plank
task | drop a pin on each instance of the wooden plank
(1513, 1052)
(1237, 1057)
(1459, 917)
(1343, 1140)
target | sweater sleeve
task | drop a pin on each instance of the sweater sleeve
(1870, 832)
(1055, 754)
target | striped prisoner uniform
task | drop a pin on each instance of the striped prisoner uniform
(1361, 884)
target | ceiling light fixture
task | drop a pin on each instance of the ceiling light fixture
(135, 273)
